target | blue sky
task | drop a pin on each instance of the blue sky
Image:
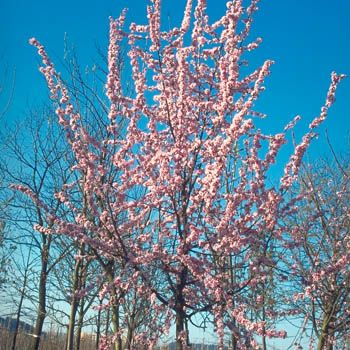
(307, 39)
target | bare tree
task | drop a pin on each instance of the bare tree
(25, 268)
(35, 157)
(320, 260)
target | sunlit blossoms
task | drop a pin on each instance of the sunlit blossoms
(190, 211)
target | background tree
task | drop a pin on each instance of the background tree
(25, 268)
(7, 87)
(34, 157)
(321, 258)
(5, 248)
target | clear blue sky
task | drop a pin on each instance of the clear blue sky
(307, 39)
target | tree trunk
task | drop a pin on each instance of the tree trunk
(71, 324)
(180, 327)
(80, 323)
(233, 281)
(264, 328)
(107, 322)
(76, 284)
(234, 342)
(114, 308)
(39, 322)
(324, 341)
(264, 345)
(180, 321)
(130, 334)
(115, 324)
(42, 297)
(19, 310)
(98, 325)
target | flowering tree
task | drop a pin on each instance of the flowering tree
(190, 201)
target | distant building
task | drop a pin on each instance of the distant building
(10, 324)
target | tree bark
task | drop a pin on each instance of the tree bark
(71, 324)
(116, 325)
(107, 322)
(98, 325)
(41, 315)
(114, 308)
(324, 341)
(19, 310)
(130, 334)
(80, 323)
(77, 276)
(264, 319)
(234, 342)
(180, 313)
(233, 281)
(180, 327)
